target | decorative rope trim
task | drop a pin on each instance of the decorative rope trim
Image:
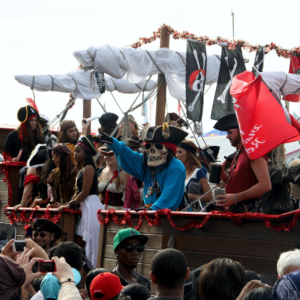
(281, 52)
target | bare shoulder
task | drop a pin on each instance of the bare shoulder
(88, 169)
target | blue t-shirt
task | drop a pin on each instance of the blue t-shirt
(196, 176)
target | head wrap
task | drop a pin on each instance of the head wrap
(65, 151)
(12, 277)
(67, 124)
(171, 146)
(187, 147)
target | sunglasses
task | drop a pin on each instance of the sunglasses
(41, 234)
(158, 146)
(130, 248)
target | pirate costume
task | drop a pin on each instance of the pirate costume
(163, 186)
(64, 126)
(173, 117)
(241, 175)
(88, 226)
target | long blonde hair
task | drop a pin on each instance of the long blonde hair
(191, 159)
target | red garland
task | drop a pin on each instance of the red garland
(237, 219)
(204, 39)
(33, 215)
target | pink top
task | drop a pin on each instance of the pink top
(132, 194)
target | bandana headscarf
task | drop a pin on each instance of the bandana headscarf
(287, 287)
(12, 277)
(65, 151)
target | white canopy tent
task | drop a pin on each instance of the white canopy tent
(78, 83)
(139, 63)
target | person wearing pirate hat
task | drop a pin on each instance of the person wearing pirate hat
(45, 233)
(26, 136)
(50, 139)
(133, 126)
(112, 181)
(163, 175)
(248, 179)
(86, 195)
(174, 120)
(32, 185)
(211, 154)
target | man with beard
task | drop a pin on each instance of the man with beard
(128, 247)
(45, 233)
(248, 179)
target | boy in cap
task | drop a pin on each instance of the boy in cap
(128, 247)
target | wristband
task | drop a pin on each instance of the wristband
(72, 204)
(69, 280)
(235, 199)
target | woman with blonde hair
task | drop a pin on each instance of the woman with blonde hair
(196, 183)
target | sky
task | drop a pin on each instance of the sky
(39, 37)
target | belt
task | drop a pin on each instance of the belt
(250, 205)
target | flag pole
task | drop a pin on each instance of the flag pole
(232, 16)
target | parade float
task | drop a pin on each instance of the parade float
(254, 239)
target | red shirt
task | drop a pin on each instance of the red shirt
(242, 177)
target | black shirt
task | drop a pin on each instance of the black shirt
(140, 278)
(94, 187)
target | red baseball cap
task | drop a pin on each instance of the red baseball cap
(105, 286)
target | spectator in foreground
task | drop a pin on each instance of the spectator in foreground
(128, 247)
(134, 291)
(222, 278)
(287, 287)
(261, 293)
(90, 276)
(169, 270)
(288, 262)
(106, 286)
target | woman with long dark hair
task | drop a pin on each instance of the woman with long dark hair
(86, 194)
(62, 178)
(196, 183)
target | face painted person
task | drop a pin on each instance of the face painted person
(163, 175)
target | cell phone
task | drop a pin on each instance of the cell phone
(18, 246)
(46, 266)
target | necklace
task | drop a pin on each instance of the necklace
(124, 278)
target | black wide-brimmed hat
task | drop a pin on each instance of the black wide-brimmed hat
(227, 122)
(26, 112)
(132, 141)
(175, 117)
(230, 157)
(154, 134)
(108, 120)
(87, 143)
(38, 156)
(214, 152)
(48, 226)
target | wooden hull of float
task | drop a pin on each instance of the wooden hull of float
(252, 243)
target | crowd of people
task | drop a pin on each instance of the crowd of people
(169, 278)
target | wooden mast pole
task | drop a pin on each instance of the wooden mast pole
(87, 110)
(161, 95)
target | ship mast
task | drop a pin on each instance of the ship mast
(161, 95)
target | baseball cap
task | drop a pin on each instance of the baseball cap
(105, 286)
(50, 285)
(127, 234)
(250, 275)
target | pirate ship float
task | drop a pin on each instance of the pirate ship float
(255, 240)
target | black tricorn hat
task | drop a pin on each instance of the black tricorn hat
(26, 112)
(132, 142)
(47, 225)
(89, 143)
(174, 117)
(230, 157)
(108, 120)
(154, 134)
(38, 156)
(215, 151)
(227, 122)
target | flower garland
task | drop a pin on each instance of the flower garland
(208, 41)
(34, 215)
(6, 175)
(237, 219)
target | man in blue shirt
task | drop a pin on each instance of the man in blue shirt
(163, 175)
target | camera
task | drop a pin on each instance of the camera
(18, 246)
(46, 266)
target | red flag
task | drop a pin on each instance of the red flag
(264, 122)
(294, 69)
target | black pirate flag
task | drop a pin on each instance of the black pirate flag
(259, 59)
(196, 62)
(232, 63)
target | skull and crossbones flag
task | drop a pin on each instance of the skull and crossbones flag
(232, 63)
(259, 59)
(294, 69)
(196, 62)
